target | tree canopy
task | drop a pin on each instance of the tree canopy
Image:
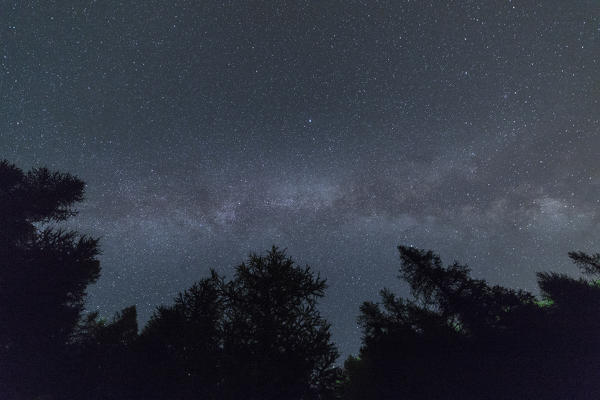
(459, 337)
(259, 335)
(44, 273)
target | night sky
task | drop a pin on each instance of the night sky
(207, 130)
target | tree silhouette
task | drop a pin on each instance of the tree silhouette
(106, 366)
(459, 337)
(181, 346)
(44, 272)
(276, 343)
(258, 336)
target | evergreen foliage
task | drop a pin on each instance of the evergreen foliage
(44, 272)
(459, 337)
(258, 336)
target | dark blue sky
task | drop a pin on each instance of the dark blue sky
(336, 129)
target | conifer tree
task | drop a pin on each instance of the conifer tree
(44, 273)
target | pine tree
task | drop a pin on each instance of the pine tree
(44, 273)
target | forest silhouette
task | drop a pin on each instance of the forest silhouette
(260, 335)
